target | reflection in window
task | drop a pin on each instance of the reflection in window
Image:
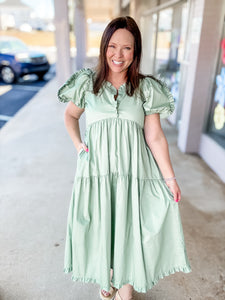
(170, 45)
(216, 122)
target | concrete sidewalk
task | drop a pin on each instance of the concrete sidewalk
(37, 166)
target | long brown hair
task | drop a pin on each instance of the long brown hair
(133, 74)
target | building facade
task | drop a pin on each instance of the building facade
(184, 42)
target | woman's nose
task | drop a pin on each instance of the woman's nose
(119, 53)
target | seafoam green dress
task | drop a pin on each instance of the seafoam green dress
(122, 214)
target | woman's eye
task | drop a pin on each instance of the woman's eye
(111, 46)
(127, 48)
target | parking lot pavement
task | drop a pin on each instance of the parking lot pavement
(14, 96)
(37, 165)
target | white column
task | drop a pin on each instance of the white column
(62, 39)
(117, 8)
(80, 33)
(148, 44)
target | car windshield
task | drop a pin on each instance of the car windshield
(12, 45)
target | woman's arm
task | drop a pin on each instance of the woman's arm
(157, 142)
(71, 118)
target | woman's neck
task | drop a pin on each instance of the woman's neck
(117, 79)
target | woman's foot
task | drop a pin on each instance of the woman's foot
(105, 293)
(125, 293)
(108, 295)
(118, 297)
(111, 293)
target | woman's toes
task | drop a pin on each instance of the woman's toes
(105, 293)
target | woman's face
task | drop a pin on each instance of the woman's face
(120, 51)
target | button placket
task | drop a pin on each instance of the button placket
(117, 106)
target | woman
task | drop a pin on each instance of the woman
(124, 215)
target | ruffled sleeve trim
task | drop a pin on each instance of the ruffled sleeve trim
(158, 98)
(75, 87)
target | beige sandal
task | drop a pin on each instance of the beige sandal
(112, 292)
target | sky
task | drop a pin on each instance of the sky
(43, 8)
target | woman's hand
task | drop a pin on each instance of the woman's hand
(82, 146)
(174, 188)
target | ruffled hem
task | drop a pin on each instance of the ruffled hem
(118, 285)
(163, 111)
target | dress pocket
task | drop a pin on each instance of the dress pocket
(169, 191)
(81, 152)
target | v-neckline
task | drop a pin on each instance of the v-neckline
(112, 86)
(115, 96)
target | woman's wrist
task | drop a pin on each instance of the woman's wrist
(78, 146)
(170, 178)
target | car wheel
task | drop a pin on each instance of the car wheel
(7, 74)
(41, 75)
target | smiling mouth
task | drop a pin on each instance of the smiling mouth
(117, 62)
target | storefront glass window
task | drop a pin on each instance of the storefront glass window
(163, 40)
(170, 45)
(216, 123)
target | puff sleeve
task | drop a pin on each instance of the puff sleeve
(75, 87)
(157, 98)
